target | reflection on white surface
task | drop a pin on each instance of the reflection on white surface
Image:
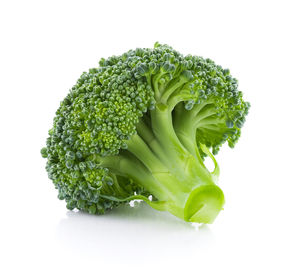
(138, 228)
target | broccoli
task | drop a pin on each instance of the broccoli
(141, 125)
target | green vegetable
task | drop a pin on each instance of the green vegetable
(142, 124)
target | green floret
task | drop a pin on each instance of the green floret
(142, 124)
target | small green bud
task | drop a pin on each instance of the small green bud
(92, 209)
(229, 123)
(44, 152)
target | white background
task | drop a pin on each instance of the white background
(46, 45)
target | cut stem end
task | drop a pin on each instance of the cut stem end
(204, 204)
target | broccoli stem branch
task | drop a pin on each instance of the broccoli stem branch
(127, 165)
(155, 83)
(140, 149)
(172, 87)
(184, 126)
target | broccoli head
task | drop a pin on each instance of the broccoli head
(142, 124)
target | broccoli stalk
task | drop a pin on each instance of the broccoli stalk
(142, 124)
(191, 192)
(166, 161)
(156, 159)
